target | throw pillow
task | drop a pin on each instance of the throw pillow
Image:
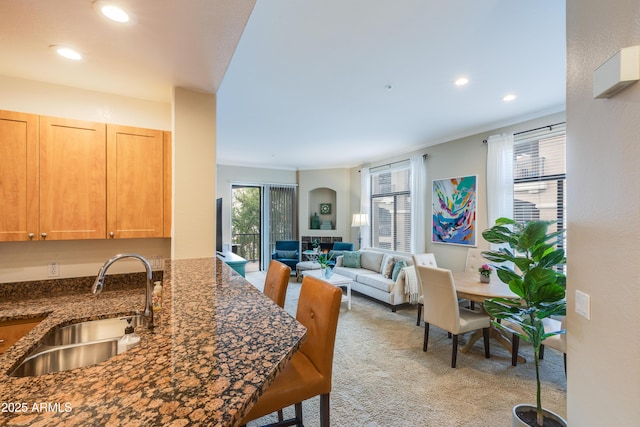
(387, 266)
(334, 254)
(397, 268)
(351, 259)
(286, 254)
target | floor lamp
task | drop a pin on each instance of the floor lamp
(360, 220)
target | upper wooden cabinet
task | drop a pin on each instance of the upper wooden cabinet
(63, 179)
(73, 179)
(135, 182)
(18, 176)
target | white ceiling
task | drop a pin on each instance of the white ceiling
(307, 85)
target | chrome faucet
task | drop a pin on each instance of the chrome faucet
(99, 282)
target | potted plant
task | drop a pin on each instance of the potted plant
(323, 260)
(315, 244)
(485, 273)
(535, 278)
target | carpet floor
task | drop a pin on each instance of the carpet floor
(382, 378)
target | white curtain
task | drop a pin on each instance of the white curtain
(365, 205)
(418, 200)
(499, 177)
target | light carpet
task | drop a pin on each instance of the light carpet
(382, 378)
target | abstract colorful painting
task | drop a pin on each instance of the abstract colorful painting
(454, 210)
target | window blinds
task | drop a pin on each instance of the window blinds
(391, 208)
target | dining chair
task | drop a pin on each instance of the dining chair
(277, 281)
(308, 373)
(441, 309)
(473, 262)
(556, 342)
(429, 260)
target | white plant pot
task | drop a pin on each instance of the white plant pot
(517, 422)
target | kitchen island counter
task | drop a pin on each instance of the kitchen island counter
(218, 344)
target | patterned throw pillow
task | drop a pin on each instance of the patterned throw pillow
(397, 269)
(387, 266)
(351, 259)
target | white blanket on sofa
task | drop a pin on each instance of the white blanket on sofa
(411, 284)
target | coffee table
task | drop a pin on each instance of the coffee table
(335, 280)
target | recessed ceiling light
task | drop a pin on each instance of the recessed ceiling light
(509, 97)
(67, 52)
(113, 11)
(462, 81)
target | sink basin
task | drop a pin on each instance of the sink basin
(93, 330)
(75, 346)
(66, 357)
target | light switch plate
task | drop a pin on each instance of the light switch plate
(583, 304)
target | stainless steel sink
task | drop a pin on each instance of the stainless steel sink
(66, 357)
(76, 346)
(93, 330)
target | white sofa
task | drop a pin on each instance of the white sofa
(369, 279)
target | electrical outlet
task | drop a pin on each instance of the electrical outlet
(156, 262)
(54, 269)
(583, 304)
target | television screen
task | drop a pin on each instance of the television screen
(219, 225)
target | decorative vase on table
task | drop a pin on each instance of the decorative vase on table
(327, 272)
(485, 273)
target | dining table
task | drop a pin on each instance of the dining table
(469, 287)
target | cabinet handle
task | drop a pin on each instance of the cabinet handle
(43, 235)
(31, 235)
(111, 234)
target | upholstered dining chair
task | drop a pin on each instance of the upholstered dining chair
(309, 371)
(472, 264)
(277, 281)
(429, 260)
(441, 309)
(556, 342)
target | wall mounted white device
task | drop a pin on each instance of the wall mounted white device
(617, 72)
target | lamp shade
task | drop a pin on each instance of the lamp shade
(360, 219)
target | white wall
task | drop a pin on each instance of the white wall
(26, 261)
(603, 197)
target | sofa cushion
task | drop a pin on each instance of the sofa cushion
(397, 268)
(371, 260)
(351, 273)
(388, 262)
(352, 259)
(286, 254)
(375, 280)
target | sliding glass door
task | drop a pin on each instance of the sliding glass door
(261, 215)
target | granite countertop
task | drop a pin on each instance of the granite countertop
(217, 346)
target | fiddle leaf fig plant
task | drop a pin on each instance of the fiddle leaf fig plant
(527, 261)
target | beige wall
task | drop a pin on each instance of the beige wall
(194, 174)
(337, 180)
(603, 191)
(26, 261)
(460, 157)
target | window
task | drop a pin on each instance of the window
(391, 208)
(539, 176)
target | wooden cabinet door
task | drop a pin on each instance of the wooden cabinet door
(18, 176)
(72, 179)
(12, 330)
(135, 182)
(168, 183)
